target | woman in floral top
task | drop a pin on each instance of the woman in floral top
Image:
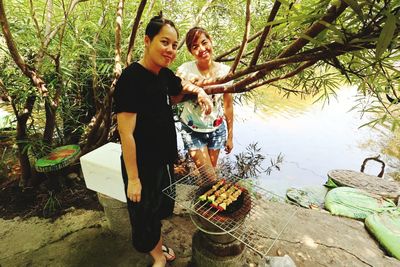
(205, 135)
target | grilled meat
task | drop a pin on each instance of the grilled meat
(214, 188)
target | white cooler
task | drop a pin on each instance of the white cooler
(102, 171)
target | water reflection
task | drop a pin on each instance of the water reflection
(314, 138)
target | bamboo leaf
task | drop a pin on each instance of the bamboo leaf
(87, 44)
(309, 38)
(372, 123)
(386, 35)
(300, 18)
(394, 125)
(332, 28)
(354, 5)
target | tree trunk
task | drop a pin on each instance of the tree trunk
(50, 123)
(22, 141)
(23, 158)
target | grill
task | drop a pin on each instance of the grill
(251, 219)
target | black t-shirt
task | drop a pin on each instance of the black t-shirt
(140, 91)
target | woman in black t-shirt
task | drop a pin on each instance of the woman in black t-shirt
(145, 123)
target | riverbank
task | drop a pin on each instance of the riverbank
(81, 238)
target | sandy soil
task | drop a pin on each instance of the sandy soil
(82, 238)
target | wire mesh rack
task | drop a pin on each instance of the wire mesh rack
(253, 221)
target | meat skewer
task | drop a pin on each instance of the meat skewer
(214, 188)
(218, 192)
(229, 200)
(222, 204)
(224, 195)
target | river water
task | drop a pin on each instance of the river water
(312, 137)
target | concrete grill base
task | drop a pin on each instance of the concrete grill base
(117, 216)
(207, 252)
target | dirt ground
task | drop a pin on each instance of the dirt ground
(82, 238)
(44, 203)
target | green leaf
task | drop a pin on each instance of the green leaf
(309, 38)
(332, 28)
(386, 35)
(354, 5)
(87, 43)
(371, 123)
(394, 125)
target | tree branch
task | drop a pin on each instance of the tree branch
(245, 39)
(278, 63)
(151, 5)
(118, 28)
(2, 86)
(19, 61)
(51, 34)
(103, 115)
(332, 13)
(71, 8)
(135, 28)
(296, 71)
(325, 51)
(106, 123)
(261, 70)
(93, 57)
(33, 14)
(94, 126)
(4, 94)
(49, 15)
(27, 110)
(229, 59)
(265, 33)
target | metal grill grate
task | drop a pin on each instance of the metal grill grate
(254, 223)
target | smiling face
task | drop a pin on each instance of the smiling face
(161, 50)
(201, 48)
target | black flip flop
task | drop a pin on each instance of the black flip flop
(168, 253)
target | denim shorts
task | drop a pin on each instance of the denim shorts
(195, 140)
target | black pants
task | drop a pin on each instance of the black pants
(145, 216)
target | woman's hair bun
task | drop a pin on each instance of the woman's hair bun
(156, 23)
(158, 17)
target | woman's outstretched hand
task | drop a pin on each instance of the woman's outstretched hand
(228, 146)
(134, 191)
(205, 102)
